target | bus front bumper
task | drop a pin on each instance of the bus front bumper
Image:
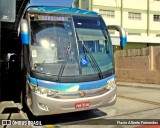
(41, 105)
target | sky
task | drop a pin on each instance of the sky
(65, 3)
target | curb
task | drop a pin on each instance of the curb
(140, 85)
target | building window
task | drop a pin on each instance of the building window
(157, 35)
(134, 16)
(135, 34)
(107, 13)
(156, 18)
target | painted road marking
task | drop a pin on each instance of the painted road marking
(140, 100)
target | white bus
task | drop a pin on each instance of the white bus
(68, 60)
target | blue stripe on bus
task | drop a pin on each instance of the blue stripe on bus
(72, 86)
(33, 80)
(25, 38)
(62, 10)
(123, 41)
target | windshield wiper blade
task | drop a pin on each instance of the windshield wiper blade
(61, 71)
(64, 63)
(93, 62)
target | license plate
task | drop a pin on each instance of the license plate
(82, 105)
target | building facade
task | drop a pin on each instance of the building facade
(137, 17)
(139, 62)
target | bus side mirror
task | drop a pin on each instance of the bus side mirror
(24, 31)
(122, 39)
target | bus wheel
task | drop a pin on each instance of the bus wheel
(23, 100)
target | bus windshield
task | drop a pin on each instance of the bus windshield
(56, 49)
(53, 44)
(94, 44)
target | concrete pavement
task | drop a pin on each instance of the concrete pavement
(11, 111)
(131, 103)
(142, 85)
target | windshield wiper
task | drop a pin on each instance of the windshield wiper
(68, 51)
(92, 61)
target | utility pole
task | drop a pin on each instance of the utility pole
(122, 17)
(91, 5)
(122, 13)
(148, 17)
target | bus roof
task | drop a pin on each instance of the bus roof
(55, 3)
(65, 10)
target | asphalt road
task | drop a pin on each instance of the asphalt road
(133, 103)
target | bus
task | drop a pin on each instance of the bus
(68, 60)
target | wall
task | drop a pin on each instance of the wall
(138, 65)
(85, 4)
(154, 25)
(154, 10)
(112, 3)
(154, 5)
(131, 26)
(134, 24)
(111, 21)
(135, 4)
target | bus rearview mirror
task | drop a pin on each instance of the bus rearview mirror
(120, 40)
(7, 10)
(24, 31)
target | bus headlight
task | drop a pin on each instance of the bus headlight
(111, 85)
(44, 91)
(43, 106)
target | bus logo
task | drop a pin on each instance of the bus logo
(82, 94)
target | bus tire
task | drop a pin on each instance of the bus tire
(23, 100)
